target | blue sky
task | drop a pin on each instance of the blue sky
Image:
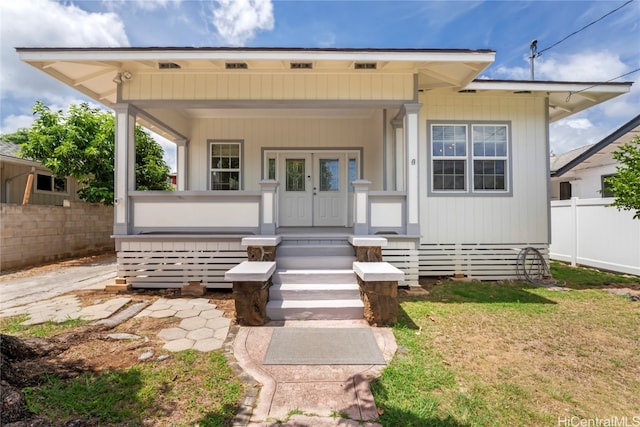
(607, 49)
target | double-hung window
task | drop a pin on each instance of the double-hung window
(469, 158)
(226, 165)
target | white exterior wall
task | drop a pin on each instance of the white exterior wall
(586, 183)
(520, 218)
(294, 133)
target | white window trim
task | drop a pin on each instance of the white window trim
(240, 143)
(469, 158)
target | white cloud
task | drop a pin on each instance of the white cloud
(46, 23)
(146, 5)
(585, 66)
(237, 21)
(12, 123)
(579, 123)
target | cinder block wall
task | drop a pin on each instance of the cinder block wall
(37, 234)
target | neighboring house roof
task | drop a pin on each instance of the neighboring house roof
(9, 153)
(97, 71)
(563, 163)
(558, 161)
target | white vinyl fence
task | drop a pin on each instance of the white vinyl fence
(589, 232)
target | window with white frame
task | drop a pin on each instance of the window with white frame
(51, 184)
(226, 164)
(469, 158)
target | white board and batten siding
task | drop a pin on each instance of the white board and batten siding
(294, 133)
(171, 262)
(245, 85)
(480, 236)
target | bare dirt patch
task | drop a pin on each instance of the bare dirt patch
(88, 348)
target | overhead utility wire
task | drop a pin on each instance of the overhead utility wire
(583, 28)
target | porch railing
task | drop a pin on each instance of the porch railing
(253, 212)
(195, 211)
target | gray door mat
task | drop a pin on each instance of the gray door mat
(323, 346)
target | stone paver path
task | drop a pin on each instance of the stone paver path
(202, 326)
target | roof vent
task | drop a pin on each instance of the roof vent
(365, 66)
(467, 91)
(168, 66)
(301, 65)
(236, 66)
(522, 92)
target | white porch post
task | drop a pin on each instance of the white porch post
(181, 164)
(361, 207)
(125, 163)
(411, 135)
(398, 139)
(268, 222)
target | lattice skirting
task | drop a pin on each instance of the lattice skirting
(171, 264)
(476, 261)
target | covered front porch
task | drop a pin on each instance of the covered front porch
(259, 179)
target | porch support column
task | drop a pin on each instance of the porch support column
(411, 136)
(181, 164)
(398, 141)
(361, 207)
(125, 163)
(268, 223)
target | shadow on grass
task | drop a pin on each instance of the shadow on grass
(481, 292)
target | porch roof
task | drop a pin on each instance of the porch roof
(95, 71)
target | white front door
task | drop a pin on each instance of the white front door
(329, 189)
(296, 190)
(313, 189)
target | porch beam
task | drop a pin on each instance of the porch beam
(411, 136)
(125, 174)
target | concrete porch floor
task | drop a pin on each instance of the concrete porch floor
(309, 395)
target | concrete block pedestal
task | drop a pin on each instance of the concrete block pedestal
(379, 289)
(251, 281)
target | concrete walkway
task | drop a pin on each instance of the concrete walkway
(55, 281)
(309, 395)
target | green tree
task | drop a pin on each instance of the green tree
(625, 184)
(80, 143)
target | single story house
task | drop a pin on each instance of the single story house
(42, 189)
(316, 145)
(581, 172)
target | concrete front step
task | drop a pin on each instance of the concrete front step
(289, 249)
(338, 276)
(314, 262)
(315, 310)
(312, 292)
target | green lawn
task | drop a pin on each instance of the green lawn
(510, 354)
